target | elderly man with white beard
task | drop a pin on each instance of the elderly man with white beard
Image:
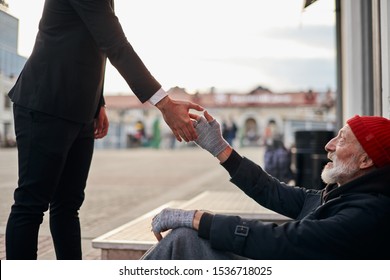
(348, 219)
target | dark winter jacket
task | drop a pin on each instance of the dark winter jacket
(351, 221)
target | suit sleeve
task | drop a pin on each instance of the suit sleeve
(102, 102)
(108, 34)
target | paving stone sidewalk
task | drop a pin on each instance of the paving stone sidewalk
(124, 184)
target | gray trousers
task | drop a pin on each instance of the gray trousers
(184, 244)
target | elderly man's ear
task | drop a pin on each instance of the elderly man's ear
(365, 162)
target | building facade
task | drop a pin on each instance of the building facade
(363, 60)
(133, 124)
(11, 63)
(363, 83)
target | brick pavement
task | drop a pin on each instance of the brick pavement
(124, 184)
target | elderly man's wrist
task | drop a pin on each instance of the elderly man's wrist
(225, 154)
(197, 217)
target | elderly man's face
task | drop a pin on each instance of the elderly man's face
(345, 152)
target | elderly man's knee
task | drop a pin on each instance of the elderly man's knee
(183, 234)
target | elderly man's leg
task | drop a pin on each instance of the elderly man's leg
(184, 244)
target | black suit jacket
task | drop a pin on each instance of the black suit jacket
(64, 75)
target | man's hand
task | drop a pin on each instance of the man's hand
(209, 134)
(101, 124)
(176, 115)
(170, 219)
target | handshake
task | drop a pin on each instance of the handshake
(209, 134)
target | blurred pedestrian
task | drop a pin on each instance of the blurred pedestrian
(277, 161)
(229, 131)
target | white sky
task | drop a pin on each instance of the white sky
(232, 45)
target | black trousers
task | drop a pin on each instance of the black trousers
(54, 157)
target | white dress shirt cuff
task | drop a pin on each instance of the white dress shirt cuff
(160, 94)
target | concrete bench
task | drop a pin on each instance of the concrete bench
(133, 239)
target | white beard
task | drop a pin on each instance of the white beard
(340, 171)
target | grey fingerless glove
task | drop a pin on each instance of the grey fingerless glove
(210, 136)
(170, 218)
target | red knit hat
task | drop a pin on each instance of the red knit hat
(373, 133)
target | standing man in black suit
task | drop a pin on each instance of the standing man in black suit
(59, 111)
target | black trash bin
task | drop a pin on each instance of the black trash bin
(310, 157)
